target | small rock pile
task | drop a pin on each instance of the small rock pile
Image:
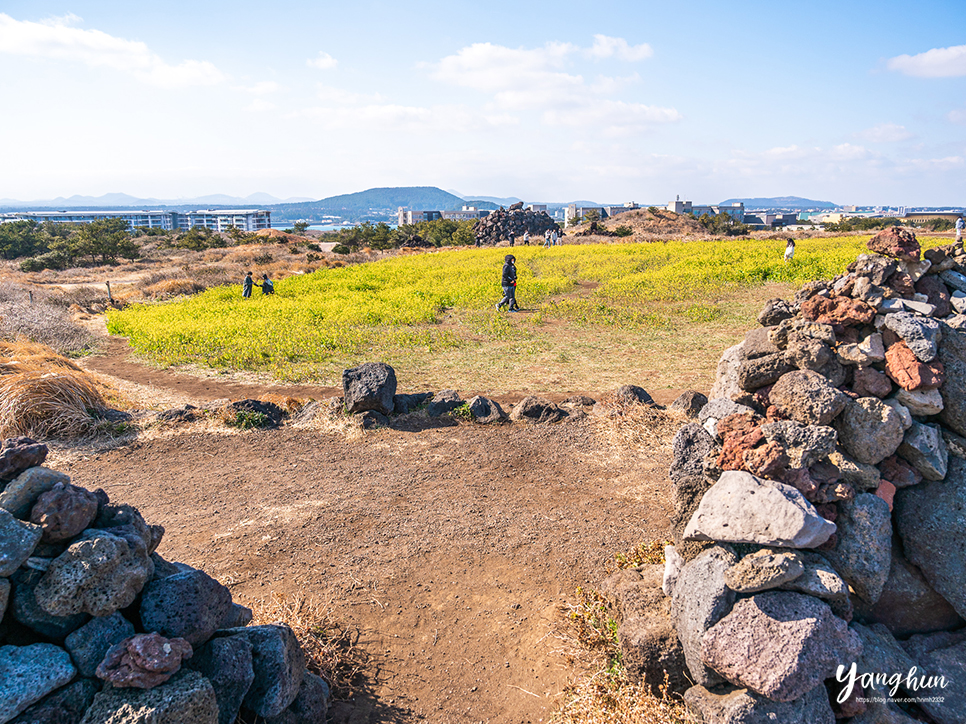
(504, 223)
(96, 627)
(819, 501)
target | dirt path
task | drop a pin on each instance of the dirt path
(448, 549)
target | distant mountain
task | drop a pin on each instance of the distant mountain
(781, 202)
(498, 200)
(119, 200)
(377, 204)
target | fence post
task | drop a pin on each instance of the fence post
(109, 297)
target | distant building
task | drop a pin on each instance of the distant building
(414, 217)
(537, 208)
(922, 217)
(770, 220)
(214, 219)
(735, 210)
(605, 212)
(467, 213)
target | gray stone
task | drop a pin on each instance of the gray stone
(404, 404)
(187, 605)
(741, 508)
(923, 446)
(955, 444)
(871, 294)
(443, 402)
(807, 397)
(931, 521)
(905, 416)
(673, 565)
(869, 430)
(309, 707)
(690, 403)
(954, 279)
(227, 664)
(864, 550)
(821, 580)
(792, 330)
(958, 302)
(4, 596)
(763, 570)
(952, 355)
(915, 269)
(634, 395)
(17, 454)
(370, 386)
(957, 322)
(940, 655)
(25, 609)
(757, 344)
(808, 354)
(29, 673)
(64, 706)
(741, 706)
(762, 371)
(89, 644)
(859, 475)
(726, 379)
(875, 267)
(17, 541)
(19, 496)
(921, 403)
(774, 312)
(635, 591)
(279, 665)
(687, 494)
(701, 599)
(920, 334)
(187, 698)
(779, 644)
(485, 410)
(98, 574)
(537, 410)
(882, 712)
(869, 350)
(805, 445)
(237, 616)
(690, 446)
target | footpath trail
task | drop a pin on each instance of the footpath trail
(448, 550)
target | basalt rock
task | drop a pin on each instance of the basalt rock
(19, 453)
(896, 243)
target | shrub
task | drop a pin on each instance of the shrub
(623, 231)
(245, 420)
(312, 246)
(44, 323)
(341, 249)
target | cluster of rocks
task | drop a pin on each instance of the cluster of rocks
(96, 627)
(819, 497)
(369, 394)
(505, 224)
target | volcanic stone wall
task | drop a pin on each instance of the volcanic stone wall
(503, 224)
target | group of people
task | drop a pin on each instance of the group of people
(550, 238)
(266, 286)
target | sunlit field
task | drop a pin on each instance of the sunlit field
(593, 315)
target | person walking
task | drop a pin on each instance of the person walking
(554, 239)
(247, 285)
(508, 281)
(789, 250)
(526, 237)
(959, 230)
(546, 238)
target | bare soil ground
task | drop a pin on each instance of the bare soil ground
(447, 547)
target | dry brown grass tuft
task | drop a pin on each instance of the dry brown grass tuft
(44, 405)
(173, 288)
(330, 650)
(291, 405)
(22, 355)
(641, 428)
(601, 699)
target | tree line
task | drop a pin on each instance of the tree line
(439, 232)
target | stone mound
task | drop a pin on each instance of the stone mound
(96, 627)
(503, 224)
(820, 507)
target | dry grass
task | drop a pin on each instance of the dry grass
(173, 288)
(291, 405)
(330, 650)
(601, 699)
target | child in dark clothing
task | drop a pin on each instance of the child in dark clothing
(509, 283)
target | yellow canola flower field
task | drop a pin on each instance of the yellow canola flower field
(396, 306)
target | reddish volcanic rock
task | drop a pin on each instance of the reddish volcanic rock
(828, 511)
(738, 424)
(898, 472)
(143, 661)
(886, 491)
(908, 372)
(775, 414)
(767, 461)
(837, 310)
(64, 511)
(901, 284)
(897, 243)
(867, 382)
(932, 286)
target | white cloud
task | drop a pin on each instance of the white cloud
(339, 96)
(886, 133)
(263, 88)
(935, 63)
(55, 39)
(957, 116)
(259, 105)
(606, 47)
(542, 79)
(323, 61)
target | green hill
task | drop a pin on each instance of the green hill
(378, 204)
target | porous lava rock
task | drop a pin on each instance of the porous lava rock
(63, 512)
(807, 397)
(143, 661)
(370, 386)
(19, 453)
(896, 243)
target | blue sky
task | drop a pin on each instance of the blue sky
(854, 102)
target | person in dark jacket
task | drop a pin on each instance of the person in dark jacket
(509, 284)
(266, 285)
(247, 285)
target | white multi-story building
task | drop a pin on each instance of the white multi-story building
(214, 219)
(735, 210)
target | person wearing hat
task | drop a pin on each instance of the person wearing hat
(509, 283)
